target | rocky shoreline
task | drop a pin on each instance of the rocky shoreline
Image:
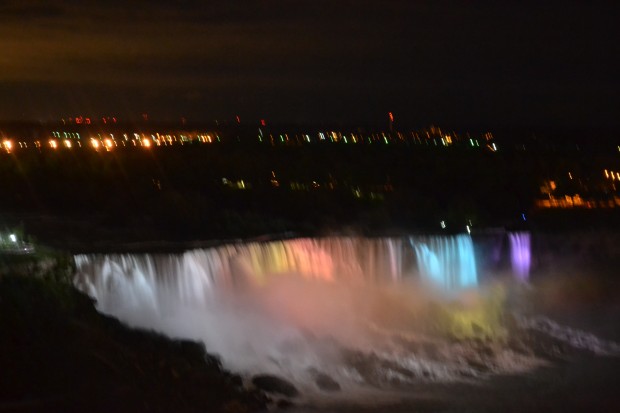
(57, 353)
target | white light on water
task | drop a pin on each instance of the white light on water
(13, 238)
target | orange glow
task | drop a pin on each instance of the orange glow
(576, 201)
(146, 143)
(95, 143)
(108, 143)
(53, 144)
(67, 143)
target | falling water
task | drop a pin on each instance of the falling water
(295, 306)
(447, 262)
(520, 254)
(147, 279)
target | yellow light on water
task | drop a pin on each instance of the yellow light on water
(146, 143)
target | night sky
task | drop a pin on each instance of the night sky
(460, 64)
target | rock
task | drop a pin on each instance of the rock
(326, 383)
(274, 384)
(191, 350)
(234, 406)
(284, 404)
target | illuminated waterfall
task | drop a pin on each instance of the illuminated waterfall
(446, 262)
(520, 254)
(287, 307)
(147, 279)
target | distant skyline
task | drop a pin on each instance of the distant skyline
(456, 64)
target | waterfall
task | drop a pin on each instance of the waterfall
(295, 306)
(520, 254)
(147, 279)
(366, 312)
(446, 262)
(195, 272)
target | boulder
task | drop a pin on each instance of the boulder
(274, 384)
(326, 383)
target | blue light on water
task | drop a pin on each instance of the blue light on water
(447, 261)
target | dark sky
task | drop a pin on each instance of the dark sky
(458, 64)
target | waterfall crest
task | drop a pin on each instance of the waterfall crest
(446, 261)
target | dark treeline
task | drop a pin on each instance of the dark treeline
(195, 192)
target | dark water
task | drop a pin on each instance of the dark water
(582, 384)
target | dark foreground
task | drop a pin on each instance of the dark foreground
(58, 354)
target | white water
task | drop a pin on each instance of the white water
(356, 309)
(574, 337)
